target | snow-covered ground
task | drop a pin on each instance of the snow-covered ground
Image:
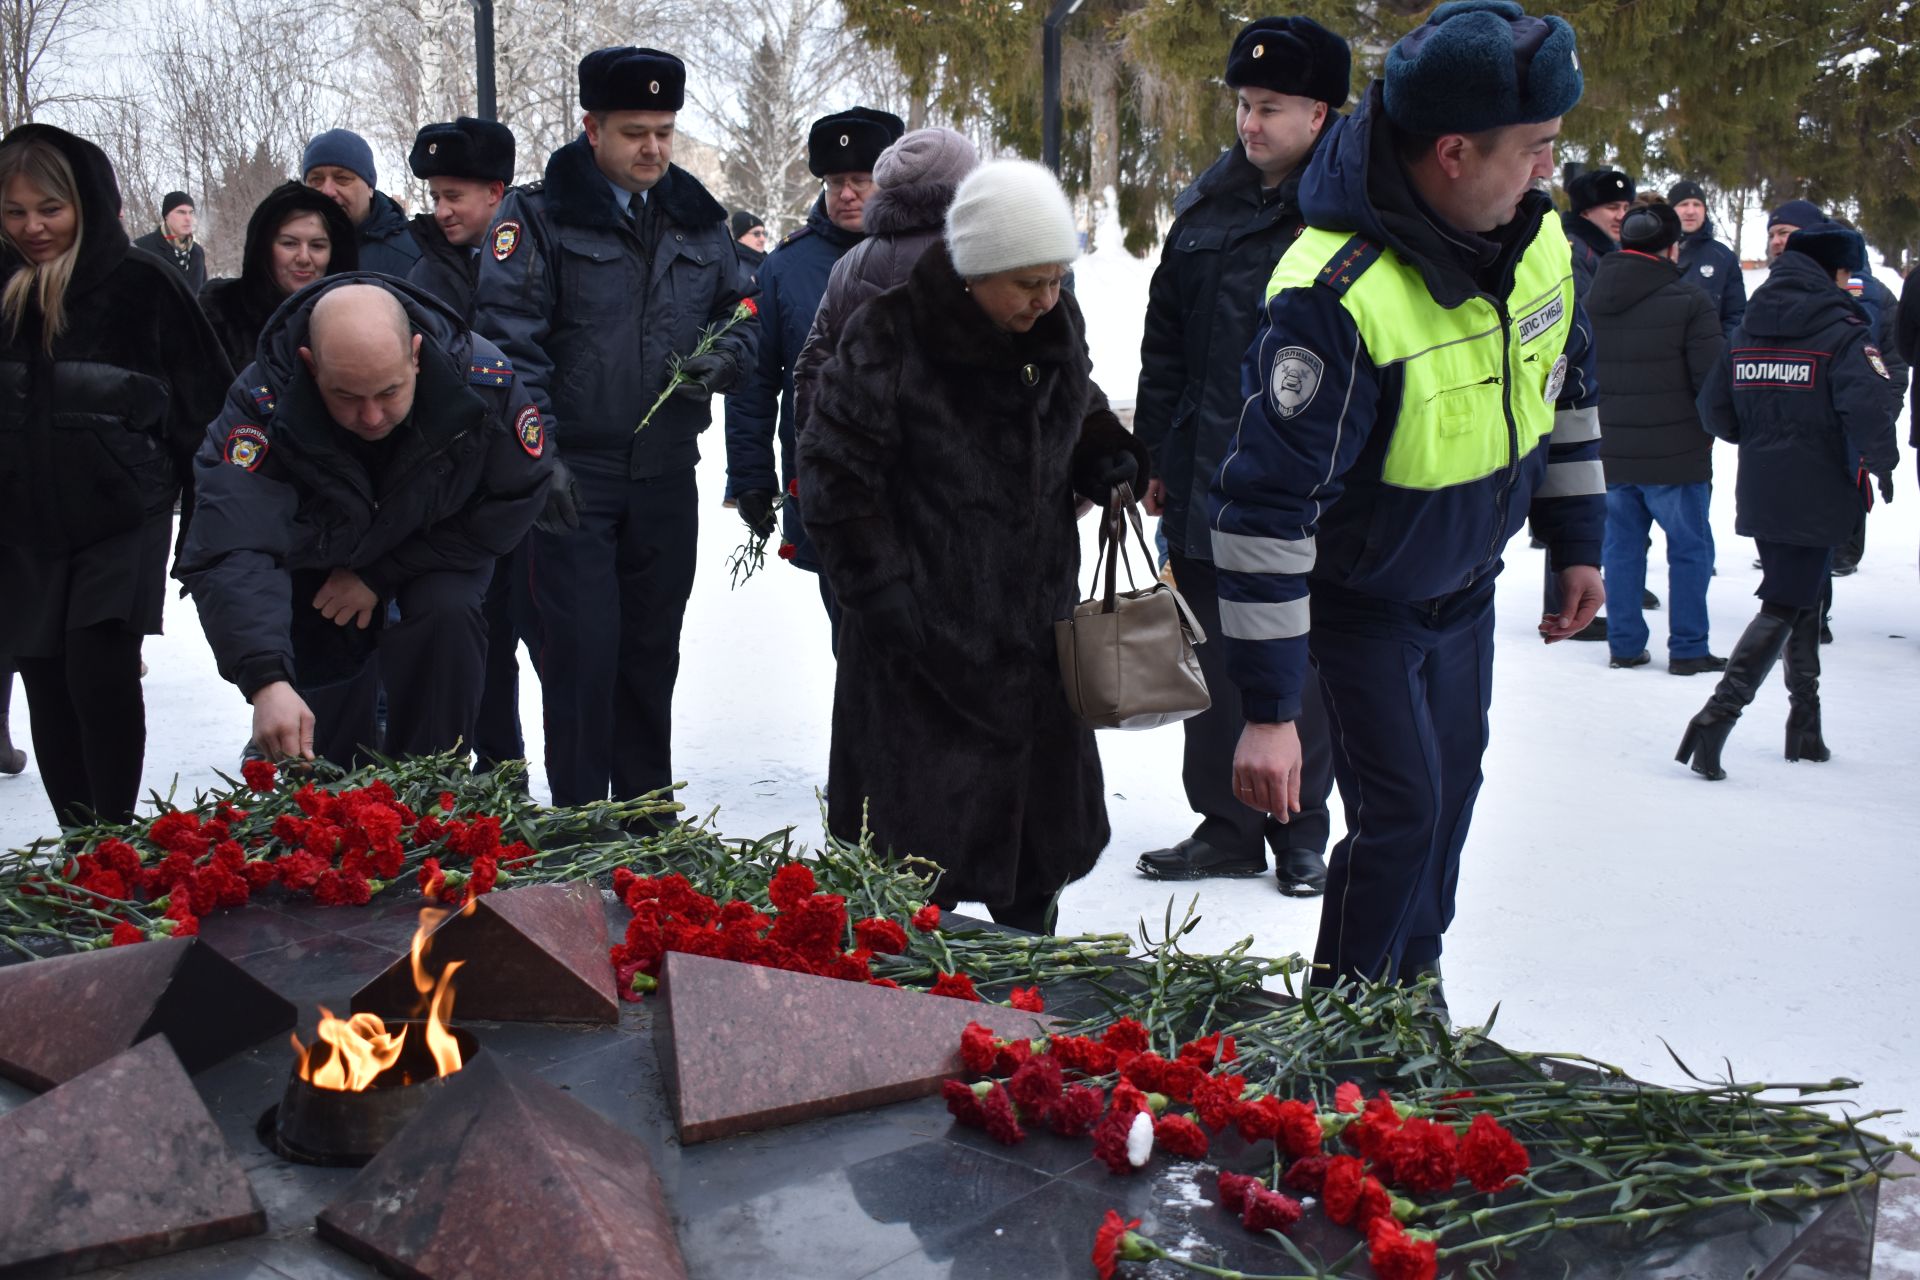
(1609, 898)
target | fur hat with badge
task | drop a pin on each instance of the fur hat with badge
(631, 79)
(1294, 56)
(851, 141)
(1596, 187)
(1476, 65)
(465, 148)
(1009, 214)
(1650, 228)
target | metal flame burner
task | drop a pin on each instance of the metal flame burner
(335, 1127)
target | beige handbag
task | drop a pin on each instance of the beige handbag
(1127, 660)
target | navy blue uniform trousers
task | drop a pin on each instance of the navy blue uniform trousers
(1407, 688)
(607, 603)
(496, 734)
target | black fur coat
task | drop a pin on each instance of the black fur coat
(942, 454)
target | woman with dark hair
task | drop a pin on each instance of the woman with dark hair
(109, 375)
(955, 429)
(295, 236)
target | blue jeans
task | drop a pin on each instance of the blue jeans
(1681, 512)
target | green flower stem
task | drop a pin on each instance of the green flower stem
(1139, 1248)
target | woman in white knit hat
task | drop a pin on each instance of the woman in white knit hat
(955, 430)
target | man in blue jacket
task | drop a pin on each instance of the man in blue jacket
(1422, 386)
(339, 163)
(1289, 76)
(1707, 264)
(841, 151)
(598, 284)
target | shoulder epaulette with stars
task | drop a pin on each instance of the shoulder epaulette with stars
(1347, 264)
(798, 233)
(490, 371)
(263, 400)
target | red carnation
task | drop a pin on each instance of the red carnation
(1012, 1056)
(927, 918)
(1490, 1156)
(300, 871)
(1236, 1187)
(963, 1103)
(888, 983)
(1424, 1156)
(1125, 1036)
(1299, 1129)
(289, 830)
(1258, 1118)
(259, 873)
(622, 877)
(793, 487)
(177, 830)
(1148, 1071)
(1107, 1243)
(957, 985)
(1347, 1097)
(882, 937)
(790, 885)
(788, 551)
(1308, 1176)
(125, 935)
(1110, 1137)
(485, 872)
(1002, 1125)
(1395, 1255)
(977, 1048)
(1209, 1051)
(1217, 1099)
(1181, 1136)
(432, 880)
(260, 775)
(310, 801)
(108, 884)
(1035, 1085)
(1372, 1133)
(1269, 1211)
(1077, 1053)
(1027, 999)
(1340, 1188)
(341, 889)
(1076, 1111)
(118, 856)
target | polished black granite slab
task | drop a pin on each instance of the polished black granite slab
(894, 1193)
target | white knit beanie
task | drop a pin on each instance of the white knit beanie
(1007, 214)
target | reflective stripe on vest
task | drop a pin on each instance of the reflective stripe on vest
(1462, 367)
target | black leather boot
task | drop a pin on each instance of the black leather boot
(1802, 671)
(1747, 668)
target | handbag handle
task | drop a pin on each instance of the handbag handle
(1113, 542)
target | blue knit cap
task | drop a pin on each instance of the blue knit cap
(342, 147)
(1797, 213)
(1482, 64)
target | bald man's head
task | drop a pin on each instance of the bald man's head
(364, 358)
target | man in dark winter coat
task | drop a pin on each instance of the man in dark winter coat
(1422, 386)
(172, 241)
(1657, 338)
(750, 239)
(377, 451)
(1706, 263)
(340, 163)
(1598, 200)
(467, 165)
(595, 283)
(1805, 393)
(841, 152)
(1290, 75)
(1906, 338)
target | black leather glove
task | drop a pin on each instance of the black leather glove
(562, 512)
(1100, 474)
(1886, 486)
(704, 376)
(756, 509)
(892, 620)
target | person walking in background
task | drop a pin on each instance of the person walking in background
(841, 151)
(467, 165)
(295, 236)
(1805, 393)
(959, 411)
(109, 374)
(1657, 338)
(172, 241)
(1290, 77)
(1707, 264)
(339, 163)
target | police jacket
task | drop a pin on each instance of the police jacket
(1906, 341)
(592, 309)
(445, 270)
(192, 265)
(96, 434)
(280, 490)
(1714, 269)
(1805, 394)
(1882, 310)
(386, 241)
(792, 281)
(1207, 294)
(1413, 395)
(1590, 244)
(1656, 338)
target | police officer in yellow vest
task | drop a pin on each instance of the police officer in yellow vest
(1421, 386)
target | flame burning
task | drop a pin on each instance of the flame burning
(360, 1048)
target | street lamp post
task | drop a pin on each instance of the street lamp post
(487, 107)
(1050, 77)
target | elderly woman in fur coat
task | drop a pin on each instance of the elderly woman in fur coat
(955, 430)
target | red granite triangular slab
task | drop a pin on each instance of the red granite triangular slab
(536, 954)
(745, 1047)
(64, 1015)
(502, 1177)
(120, 1163)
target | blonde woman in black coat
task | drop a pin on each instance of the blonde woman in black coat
(955, 430)
(109, 374)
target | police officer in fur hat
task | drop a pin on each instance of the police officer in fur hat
(1598, 201)
(598, 283)
(841, 151)
(467, 165)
